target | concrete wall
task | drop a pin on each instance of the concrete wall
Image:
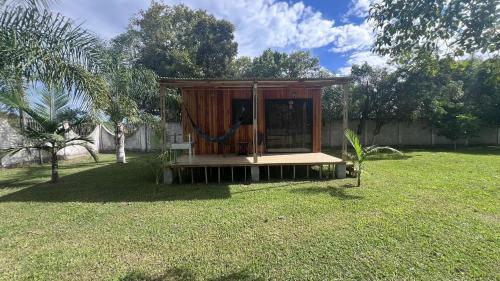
(143, 139)
(416, 133)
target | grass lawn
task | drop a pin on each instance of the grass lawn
(434, 215)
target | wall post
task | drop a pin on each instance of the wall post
(345, 118)
(433, 138)
(163, 118)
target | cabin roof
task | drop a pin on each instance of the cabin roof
(248, 82)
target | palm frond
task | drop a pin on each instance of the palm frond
(356, 145)
(50, 48)
(376, 149)
(52, 102)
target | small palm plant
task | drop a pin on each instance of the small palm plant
(362, 153)
(49, 133)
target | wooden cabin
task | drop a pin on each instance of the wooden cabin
(274, 115)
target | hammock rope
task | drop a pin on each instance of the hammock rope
(216, 139)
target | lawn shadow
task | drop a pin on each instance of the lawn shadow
(112, 182)
(269, 187)
(180, 274)
(334, 191)
(171, 274)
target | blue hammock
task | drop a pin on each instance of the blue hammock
(217, 139)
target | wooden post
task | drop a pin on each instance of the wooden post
(293, 171)
(180, 175)
(345, 118)
(268, 173)
(245, 168)
(192, 176)
(254, 125)
(218, 174)
(206, 176)
(232, 173)
(307, 171)
(281, 171)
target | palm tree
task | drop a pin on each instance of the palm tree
(37, 45)
(50, 133)
(362, 153)
(124, 82)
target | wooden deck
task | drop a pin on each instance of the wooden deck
(311, 159)
(204, 165)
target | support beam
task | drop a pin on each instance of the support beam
(293, 171)
(206, 176)
(192, 176)
(255, 172)
(255, 124)
(281, 171)
(168, 176)
(218, 174)
(340, 171)
(232, 173)
(268, 173)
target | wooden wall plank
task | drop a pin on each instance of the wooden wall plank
(211, 110)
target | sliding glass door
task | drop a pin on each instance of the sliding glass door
(288, 125)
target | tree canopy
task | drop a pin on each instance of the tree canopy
(38, 45)
(407, 27)
(274, 64)
(176, 41)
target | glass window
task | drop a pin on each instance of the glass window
(242, 110)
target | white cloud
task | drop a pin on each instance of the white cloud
(358, 8)
(360, 57)
(262, 24)
(351, 37)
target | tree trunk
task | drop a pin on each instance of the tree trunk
(55, 165)
(120, 143)
(359, 178)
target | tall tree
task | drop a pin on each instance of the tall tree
(484, 91)
(408, 27)
(176, 41)
(331, 103)
(450, 115)
(125, 82)
(374, 97)
(274, 64)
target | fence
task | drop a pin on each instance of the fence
(143, 139)
(397, 133)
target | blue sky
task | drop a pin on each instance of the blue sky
(336, 31)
